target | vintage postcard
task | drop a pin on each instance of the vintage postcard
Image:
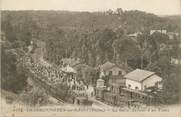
(84, 58)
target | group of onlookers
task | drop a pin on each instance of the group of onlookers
(54, 75)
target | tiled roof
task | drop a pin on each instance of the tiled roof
(107, 65)
(155, 76)
(139, 75)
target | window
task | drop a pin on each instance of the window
(110, 72)
(129, 86)
(157, 83)
(136, 88)
(120, 73)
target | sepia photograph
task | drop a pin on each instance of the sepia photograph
(71, 57)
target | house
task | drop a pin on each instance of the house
(172, 35)
(115, 78)
(158, 31)
(112, 69)
(134, 34)
(175, 61)
(141, 79)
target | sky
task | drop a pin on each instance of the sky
(159, 7)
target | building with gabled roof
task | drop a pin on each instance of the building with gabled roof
(138, 75)
(112, 69)
(175, 61)
(135, 34)
(107, 65)
(141, 79)
(158, 31)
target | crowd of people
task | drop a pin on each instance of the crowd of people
(54, 75)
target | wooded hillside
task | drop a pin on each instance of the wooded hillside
(94, 38)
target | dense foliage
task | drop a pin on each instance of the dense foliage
(13, 77)
(94, 38)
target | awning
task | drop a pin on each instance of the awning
(69, 69)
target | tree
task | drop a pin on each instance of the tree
(110, 12)
(105, 43)
(126, 49)
(87, 74)
(12, 72)
(119, 11)
(171, 88)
